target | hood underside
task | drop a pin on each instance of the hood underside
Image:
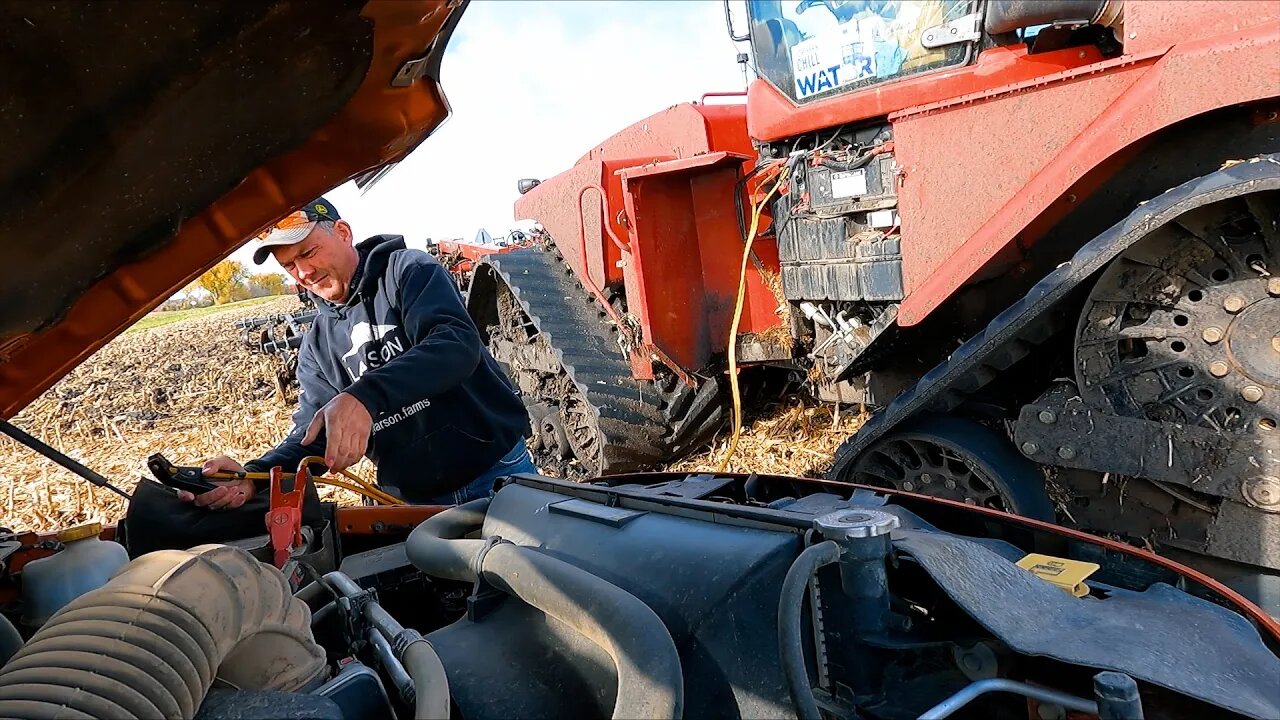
(145, 141)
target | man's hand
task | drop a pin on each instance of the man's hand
(347, 425)
(229, 493)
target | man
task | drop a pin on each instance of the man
(392, 368)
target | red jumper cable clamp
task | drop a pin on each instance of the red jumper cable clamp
(284, 519)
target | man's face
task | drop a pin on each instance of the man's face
(323, 263)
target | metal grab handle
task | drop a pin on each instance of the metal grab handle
(604, 221)
(735, 93)
(588, 281)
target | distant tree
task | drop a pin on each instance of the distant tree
(266, 284)
(223, 279)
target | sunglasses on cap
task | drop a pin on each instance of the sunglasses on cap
(292, 221)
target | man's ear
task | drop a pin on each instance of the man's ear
(343, 229)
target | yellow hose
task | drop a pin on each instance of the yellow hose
(737, 319)
(376, 496)
(388, 498)
(360, 487)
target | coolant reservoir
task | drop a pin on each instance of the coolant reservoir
(85, 563)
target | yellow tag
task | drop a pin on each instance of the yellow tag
(1066, 574)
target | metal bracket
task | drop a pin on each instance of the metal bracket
(962, 29)
(1073, 435)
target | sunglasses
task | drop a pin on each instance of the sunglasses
(293, 220)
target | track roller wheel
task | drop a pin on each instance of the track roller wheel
(956, 459)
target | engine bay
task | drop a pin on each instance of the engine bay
(671, 595)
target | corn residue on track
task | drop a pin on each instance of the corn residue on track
(190, 390)
(790, 437)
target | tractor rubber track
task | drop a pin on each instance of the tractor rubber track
(1027, 323)
(639, 424)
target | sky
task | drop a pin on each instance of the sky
(533, 86)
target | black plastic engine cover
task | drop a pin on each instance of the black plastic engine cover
(715, 587)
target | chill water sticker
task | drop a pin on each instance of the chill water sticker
(861, 45)
(829, 61)
(838, 56)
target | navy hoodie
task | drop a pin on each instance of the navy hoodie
(404, 346)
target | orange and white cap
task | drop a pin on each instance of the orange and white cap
(292, 228)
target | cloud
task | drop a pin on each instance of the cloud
(533, 85)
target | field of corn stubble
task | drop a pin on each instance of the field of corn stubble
(190, 390)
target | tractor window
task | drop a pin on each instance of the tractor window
(817, 48)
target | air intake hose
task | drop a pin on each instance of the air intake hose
(150, 642)
(436, 548)
(650, 681)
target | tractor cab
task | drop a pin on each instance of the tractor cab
(811, 49)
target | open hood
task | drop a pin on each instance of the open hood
(144, 142)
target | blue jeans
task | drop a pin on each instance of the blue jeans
(516, 461)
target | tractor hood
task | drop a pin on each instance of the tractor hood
(144, 142)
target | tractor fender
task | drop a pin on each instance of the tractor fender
(1026, 323)
(1096, 113)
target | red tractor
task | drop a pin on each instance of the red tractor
(1040, 238)
(670, 595)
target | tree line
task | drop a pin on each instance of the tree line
(229, 281)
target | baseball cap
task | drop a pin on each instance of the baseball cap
(292, 228)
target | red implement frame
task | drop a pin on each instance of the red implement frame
(468, 254)
(384, 519)
(471, 251)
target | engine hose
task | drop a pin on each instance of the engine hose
(430, 682)
(650, 681)
(435, 546)
(151, 642)
(419, 660)
(399, 677)
(790, 627)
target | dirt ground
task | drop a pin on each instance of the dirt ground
(190, 390)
